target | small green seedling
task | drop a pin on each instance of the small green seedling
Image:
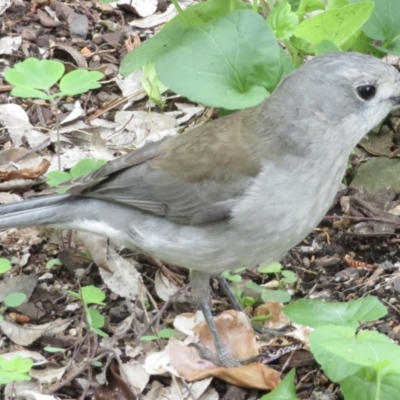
(236, 278)
(82, 167)
(51, 349)
(92, 295)
(13, 299)
(233, 276)
(283, 276)
(15, 369)
(163, 334)
(5, 265)
(53, 262)
(35, 79)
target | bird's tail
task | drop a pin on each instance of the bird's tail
(47, 210)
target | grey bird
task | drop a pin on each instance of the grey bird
(236, 191)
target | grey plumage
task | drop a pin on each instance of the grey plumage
(236, 191)
(194, 186)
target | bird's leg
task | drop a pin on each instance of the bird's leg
(229, 293)
(200, 282)
(222, 357)
(237, 306)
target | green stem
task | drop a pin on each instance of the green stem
(185, 21)
(378, 386)
(255, 6)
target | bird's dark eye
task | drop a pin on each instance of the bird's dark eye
(366, 92)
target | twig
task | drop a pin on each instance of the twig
(371, 219)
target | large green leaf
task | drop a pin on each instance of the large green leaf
(224, 63)
(384, 21)
(318, 313)
(336, 25)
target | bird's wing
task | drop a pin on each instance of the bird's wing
(192, 178)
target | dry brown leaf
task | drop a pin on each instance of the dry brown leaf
(277, 318)
(25, 173)
(238, 338)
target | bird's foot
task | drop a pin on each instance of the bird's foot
(222, 358)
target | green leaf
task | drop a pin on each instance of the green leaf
(98, 332)
(51, 263)
(267, 295)
(337, 3)
(51, 349)
(272, 268)
(92, 295)
(14, 370)
(33, 73)
(307, 6)
(302, 46)
(203, 12)
(55, 178)
(224, 63)
(152, 49)
(342, 353)
(367, 348)
(15, 299)
(148, 338)
(74, 294)
(288, 277)
(279, 296)
(166, 333)
(254, 286)
(282, 21)
(362, 45)
(295, 4)
(315, 313)
(363, 385)
(261, 318)
(392, 47)
(27, 92)
(96, 364)
(5, 265)
(228, 275)
(8, 377)
(337, 25)
(97, 319)
(384, 21)
(86, 166)
(18, 364)
(326, 47)
(82, 167)
(247, 301)
(285, 391)
(152, 85)
(80, 81)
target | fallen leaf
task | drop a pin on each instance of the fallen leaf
(25, 173)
